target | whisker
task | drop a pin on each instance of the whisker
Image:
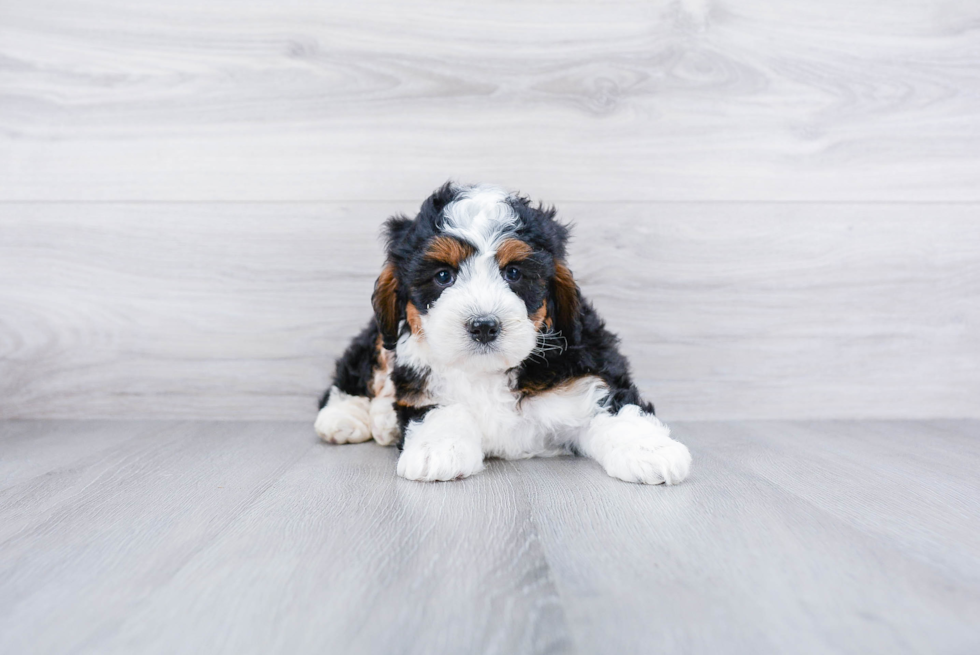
(552, 340)
(537, 357)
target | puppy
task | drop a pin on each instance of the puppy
(482, 346)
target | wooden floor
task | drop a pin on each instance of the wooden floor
(251, 537)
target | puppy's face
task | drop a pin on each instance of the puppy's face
(483, 306)
(478, 276)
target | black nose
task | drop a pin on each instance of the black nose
(484, 328)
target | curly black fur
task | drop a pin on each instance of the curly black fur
(591, 350)
(409, 383)
(408, 414)
(355, 368)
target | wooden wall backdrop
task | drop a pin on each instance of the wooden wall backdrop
(776, 204)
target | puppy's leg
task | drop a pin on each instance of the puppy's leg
(344, 419)
(444, 445)
(345, 411)
(384, 420)
(635, 447)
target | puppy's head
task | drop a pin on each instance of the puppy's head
(479, 275)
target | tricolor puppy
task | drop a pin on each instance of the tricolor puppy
(482, 346)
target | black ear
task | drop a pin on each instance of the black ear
(388, 311)
(395, 230)
(435, 203)
(565, 303)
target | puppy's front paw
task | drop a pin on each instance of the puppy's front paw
(648, 463)
(444, 446)
(440, 460)
(344, 419)
(635, 447)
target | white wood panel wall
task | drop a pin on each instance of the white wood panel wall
(776, 203)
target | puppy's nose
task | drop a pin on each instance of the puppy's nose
(484, 328)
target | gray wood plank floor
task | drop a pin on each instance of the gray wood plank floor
(251, 537)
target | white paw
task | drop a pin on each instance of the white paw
(431, 461)
(638, 448)
(344, 419)
(648, 464)
(442, 447)
(384, 421)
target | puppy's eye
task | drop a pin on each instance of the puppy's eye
(512, 274)
(444, 278)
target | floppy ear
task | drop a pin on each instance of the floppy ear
(565, 302)
(388, 307)
(387, 310)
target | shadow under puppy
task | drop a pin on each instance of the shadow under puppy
(482, 346)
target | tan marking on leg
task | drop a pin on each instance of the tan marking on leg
(539, 317)
(382, 368)
(416, 400)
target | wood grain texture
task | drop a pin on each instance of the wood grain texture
(726, 310)
(758, 554)
(251, 537)
(180, 541)
(664, 100)
(86, 542)
(828, 465)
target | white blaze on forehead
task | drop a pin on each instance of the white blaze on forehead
(481, 216)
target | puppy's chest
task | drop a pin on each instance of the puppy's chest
(514, 425)
(505, 430)
(489, 395)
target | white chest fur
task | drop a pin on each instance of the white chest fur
(509, 426)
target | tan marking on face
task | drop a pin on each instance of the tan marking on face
(512, 250)
(448, 251)
(414, 319)
(541, 316)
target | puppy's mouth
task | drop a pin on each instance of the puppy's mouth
(485, 348)
(493, 339)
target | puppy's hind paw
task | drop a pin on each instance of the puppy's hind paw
(344, 419)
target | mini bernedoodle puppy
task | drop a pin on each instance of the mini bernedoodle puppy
(482, 346)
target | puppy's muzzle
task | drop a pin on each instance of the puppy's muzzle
(483, 329)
